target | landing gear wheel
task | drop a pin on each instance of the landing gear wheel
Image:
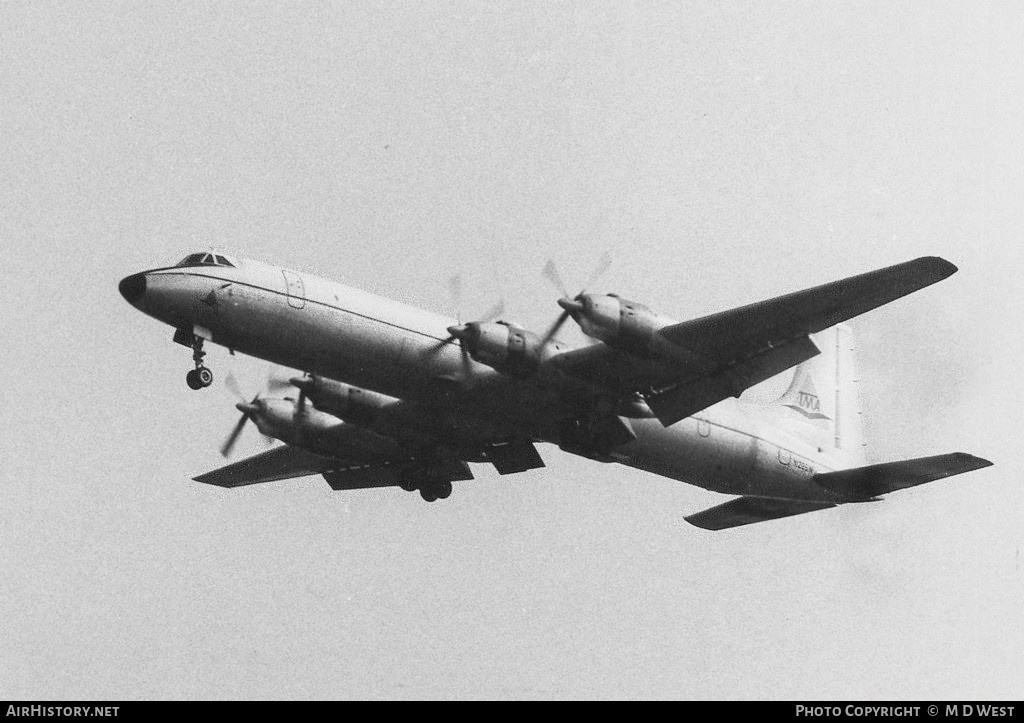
(434, 491)
(204, 376)
(428, 494)
(200, 377)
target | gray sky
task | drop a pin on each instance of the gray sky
(722, 153)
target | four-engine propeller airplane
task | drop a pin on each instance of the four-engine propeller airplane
(398, 396)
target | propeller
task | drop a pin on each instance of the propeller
(570, 305)
(458, 331)
(248, 409)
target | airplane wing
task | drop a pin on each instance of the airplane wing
(287, 462)
(748, 510)
(718, 356)
(280, 463)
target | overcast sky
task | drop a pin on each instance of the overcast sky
(722, 153)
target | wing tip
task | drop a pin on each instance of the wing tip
(209, 478)
(971, 462)
(699, 519)
(936, 266)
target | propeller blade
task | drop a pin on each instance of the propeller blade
(229, 443)
(232, 384)
(551, 274)
(455, 289)
(494, 313)
(432, 350)
(602, 266)
(299, 416)
(278, 384)
(247, 411)
(555, 327)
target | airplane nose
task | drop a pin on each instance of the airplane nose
(132, 287)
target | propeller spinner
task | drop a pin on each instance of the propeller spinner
(250, 409)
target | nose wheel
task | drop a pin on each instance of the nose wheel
(199, 378)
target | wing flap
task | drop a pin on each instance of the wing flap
(514, 457)
(879, 479)
(691, 397)
(748, 510)
(365, 477)
(389, 474)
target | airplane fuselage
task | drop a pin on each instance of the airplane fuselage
(324, 328)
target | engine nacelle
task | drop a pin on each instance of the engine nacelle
(506, 347)
(387, 417)
(307, 428)
(344, 401)
(620, 323)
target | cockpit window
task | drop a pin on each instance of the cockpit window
(205, 259)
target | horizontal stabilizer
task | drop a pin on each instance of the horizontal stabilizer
(747, 510)
(877, 479)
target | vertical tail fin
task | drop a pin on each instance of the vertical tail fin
(822, 404)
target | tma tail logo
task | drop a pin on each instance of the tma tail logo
(806, 401)
(809, 402)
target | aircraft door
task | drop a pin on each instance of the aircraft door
(295, 288)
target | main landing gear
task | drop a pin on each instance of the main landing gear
(200, 377)
(439, 490)
(430, 489)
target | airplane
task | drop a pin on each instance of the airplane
(396, 396)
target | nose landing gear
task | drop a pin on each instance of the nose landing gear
(200, 377)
